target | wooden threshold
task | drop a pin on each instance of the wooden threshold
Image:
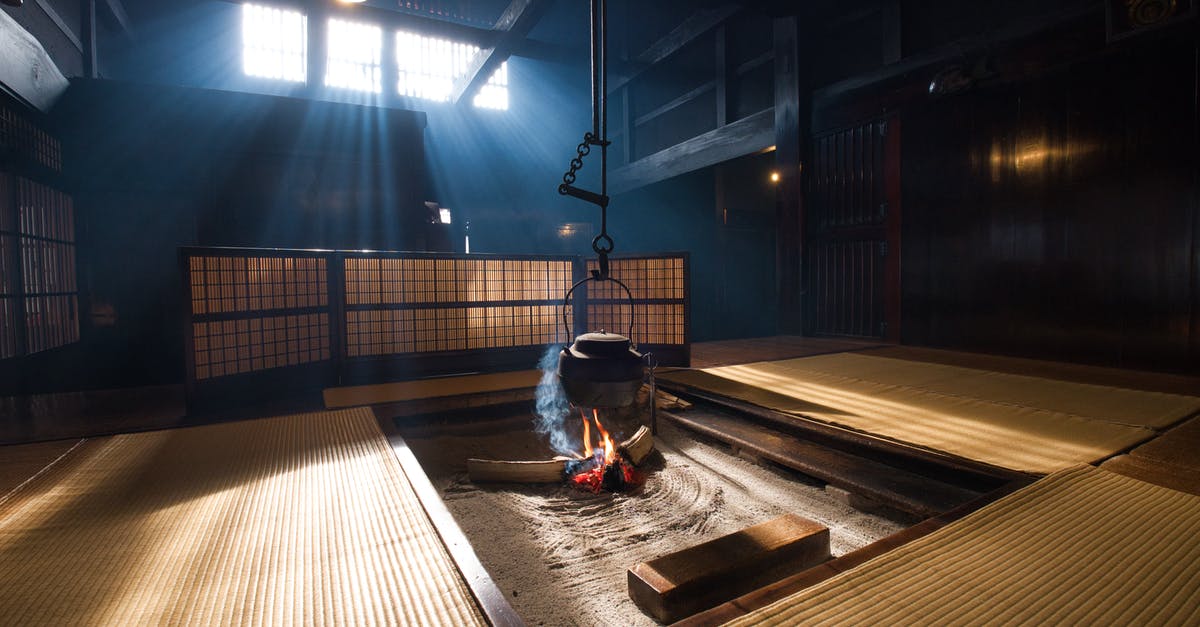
(491, 600)
(966, 473)
(786, 587)
(887, 485)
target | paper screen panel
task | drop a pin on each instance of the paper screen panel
(221, 284)
(227, 347)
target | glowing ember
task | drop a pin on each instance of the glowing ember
(601, 467)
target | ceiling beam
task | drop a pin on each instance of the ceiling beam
(44, 5)
(692, 28)
(511, 29)
(26, 70)
(116, 10)
(748, 135)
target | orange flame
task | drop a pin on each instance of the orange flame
(587, 435)
(610, 451)
(604, 441)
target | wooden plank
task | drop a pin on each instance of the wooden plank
(48, 9)
(1156, 471)
(749, 135)
(513, 25)
(117, 11)
(693, 27)
(491, 600)
(702, 576)
(773, 592)
(26, 70)
(890, 486)
(961, 471)
(430, 388)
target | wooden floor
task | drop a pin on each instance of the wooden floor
(729, 352)
(55, 423)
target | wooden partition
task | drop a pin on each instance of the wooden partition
(658, 284)
(39, 304)
(261, 322)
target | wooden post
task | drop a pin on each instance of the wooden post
(87, 26)
(792, 119)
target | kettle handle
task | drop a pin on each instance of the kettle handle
(598, 277)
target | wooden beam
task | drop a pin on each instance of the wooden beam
(91, 66)
(62, 25)
(893, 49)
(676, 103)
(514, 24)
(751, 134)
(26, 70)
(791, 124)
(722, 77)
(116, 10)
(693, 27)
(955, 50)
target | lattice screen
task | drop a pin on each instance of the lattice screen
(45, 237)
(403, 305)
(257, 313)
(9, 268)
(255, 310)
(658, 286)
(20, 137)
(225, 347)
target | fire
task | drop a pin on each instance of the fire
(601, 466)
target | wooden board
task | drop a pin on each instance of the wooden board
(887, 485)
(429, 388)
(705, 575)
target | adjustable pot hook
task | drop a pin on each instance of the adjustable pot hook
(598, 136)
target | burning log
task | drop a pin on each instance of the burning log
(635, 449)
(638, 446)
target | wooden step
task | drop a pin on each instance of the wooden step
(893, 487)
(703, 576)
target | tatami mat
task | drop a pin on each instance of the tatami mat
(21, 462)
(1012, 421)
(1080, 547)
(303, 519)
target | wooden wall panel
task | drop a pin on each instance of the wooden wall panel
(1056, 216)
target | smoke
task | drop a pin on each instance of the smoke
(552, 407)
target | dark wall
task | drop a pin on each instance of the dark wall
(1055, 215)
(154, 168)
(724, 218)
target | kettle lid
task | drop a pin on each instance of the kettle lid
(601, 344)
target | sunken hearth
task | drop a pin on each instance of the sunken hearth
(560, 549)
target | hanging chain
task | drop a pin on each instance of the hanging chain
(583, 149)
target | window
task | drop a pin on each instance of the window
(429, 66)
(494, 94)
(354, 57)
(274, 43)
(38, 289)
